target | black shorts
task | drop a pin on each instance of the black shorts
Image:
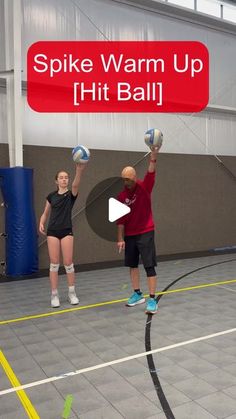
(140, 245)
(60, 234)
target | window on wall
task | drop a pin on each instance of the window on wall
(217, 8)
(210, 7)
(229, 13)
(184, 3)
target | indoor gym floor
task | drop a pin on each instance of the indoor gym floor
(198, 378)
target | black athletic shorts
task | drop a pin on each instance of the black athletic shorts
(140, 245)
(60, 234)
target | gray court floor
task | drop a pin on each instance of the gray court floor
(198, 378)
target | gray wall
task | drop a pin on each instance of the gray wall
(194, 200)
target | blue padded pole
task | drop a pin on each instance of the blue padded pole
(20, 223)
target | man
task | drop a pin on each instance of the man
(136, 231)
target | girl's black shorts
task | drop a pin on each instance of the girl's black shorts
(60, 234)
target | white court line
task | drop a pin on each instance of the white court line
(116, 361)
(226, 288)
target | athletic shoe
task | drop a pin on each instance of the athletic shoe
(151, 306)
(73, 299)
(135, 299)
(55, 302)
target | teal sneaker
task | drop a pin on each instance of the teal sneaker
(151, 306)
(135, 299)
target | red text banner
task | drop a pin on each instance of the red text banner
(118, 76)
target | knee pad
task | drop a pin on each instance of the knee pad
(150, 271)
(54, 267)
(69, 268)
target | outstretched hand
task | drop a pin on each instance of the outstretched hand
(155, 149)
(81, 166)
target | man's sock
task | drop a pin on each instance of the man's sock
(138, 291)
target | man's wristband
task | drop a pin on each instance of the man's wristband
(153, 161)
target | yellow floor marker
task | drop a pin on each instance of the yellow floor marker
(67, 407)
(25, 401)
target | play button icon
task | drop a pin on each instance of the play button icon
(103, 208)
(116, 210)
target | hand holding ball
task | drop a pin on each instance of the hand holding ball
(153, 138)
(80, 154)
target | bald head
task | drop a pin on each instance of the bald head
(129, 173)
(129, 177)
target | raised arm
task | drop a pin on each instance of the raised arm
(78, 172)
(44, 217)
(153, 159)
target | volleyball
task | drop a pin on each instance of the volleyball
(153, 138)
(80, 154)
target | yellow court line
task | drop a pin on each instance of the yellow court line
(25, 401)
(104, 303)
(231, 281)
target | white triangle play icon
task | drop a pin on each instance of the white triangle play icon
(116, 209)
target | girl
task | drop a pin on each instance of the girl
(59, 205)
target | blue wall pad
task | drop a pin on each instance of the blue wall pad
(20, 223)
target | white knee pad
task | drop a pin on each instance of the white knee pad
(54, 267)
(69, 268)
